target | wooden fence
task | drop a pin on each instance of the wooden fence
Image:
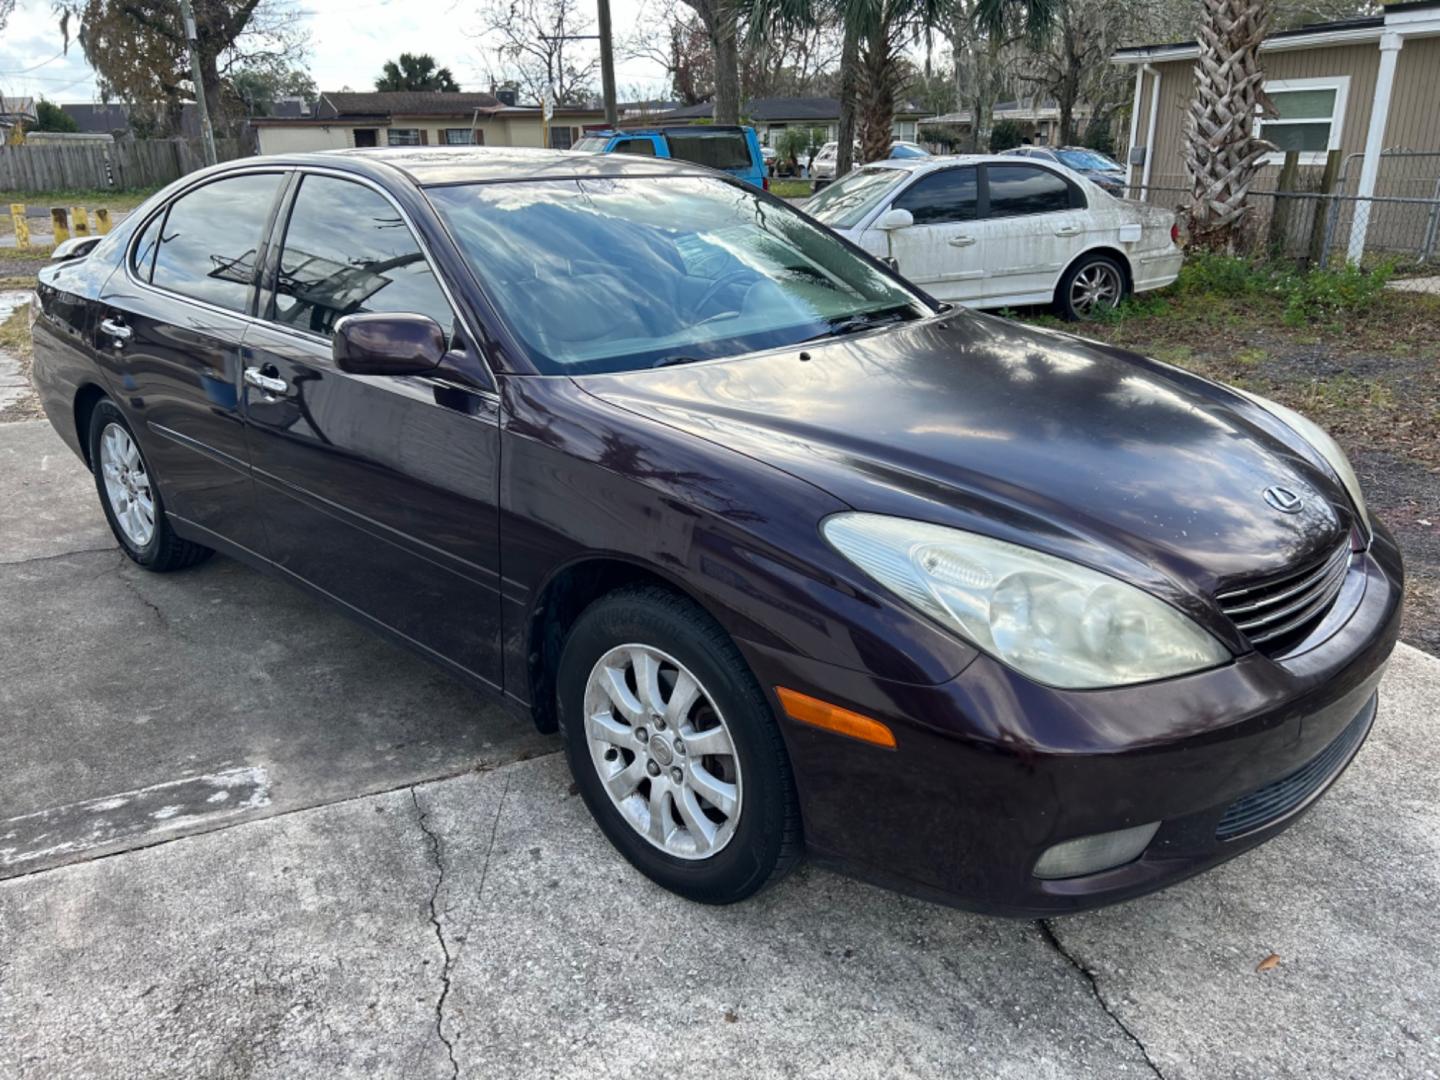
(125, 163)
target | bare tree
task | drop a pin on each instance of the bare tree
(533, 44)
(1222, 152)
(1072, 64)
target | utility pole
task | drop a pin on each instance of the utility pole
(607, 66)
(207, 133)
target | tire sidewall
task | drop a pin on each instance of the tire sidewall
(1062, 294)
(748, 860)
(105, 414)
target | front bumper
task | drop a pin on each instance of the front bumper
(990, 770)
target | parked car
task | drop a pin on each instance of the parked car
(1091, 164)
(823, 171)
(734, 150)
(767, 153)
(791, 552)
(993, 232)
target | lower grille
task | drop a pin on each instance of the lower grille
(1286, 795)
(1277, 610)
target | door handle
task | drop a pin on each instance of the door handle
(1069, 230)
(271, 385)
(119, 331)
(961, 241)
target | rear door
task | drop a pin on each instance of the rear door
(378, 490)
(945, 251)
(1036, 222)
(172, 323)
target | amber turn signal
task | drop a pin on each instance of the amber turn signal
(822, 714)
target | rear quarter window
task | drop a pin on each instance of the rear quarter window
(720, 150)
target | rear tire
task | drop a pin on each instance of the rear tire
(715, 820)
(130, 496)
(1094, 283)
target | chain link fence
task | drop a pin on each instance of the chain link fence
(1401, 221)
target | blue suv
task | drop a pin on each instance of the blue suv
(735, 150)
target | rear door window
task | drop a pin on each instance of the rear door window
(717, 150)
(1018, 190)
(944, 196)
(347, 250)
(641, 147)
(210, 237)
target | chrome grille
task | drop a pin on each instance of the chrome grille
(1278, 608)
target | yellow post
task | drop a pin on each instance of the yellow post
(79, 221)
(60, 224)
(22, 226)
(102, 220)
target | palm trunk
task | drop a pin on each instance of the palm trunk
(727, 72)
(878, 76)
(849, 91)
(983, 119)
(1222, 154)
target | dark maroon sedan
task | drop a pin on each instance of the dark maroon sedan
(794, 557)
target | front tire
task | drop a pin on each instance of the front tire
(674, 748)
(1094, 285)
(130, 496)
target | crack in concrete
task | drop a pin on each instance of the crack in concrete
(434, 839)
(134, 590)
(1052, 939)
(57, 555)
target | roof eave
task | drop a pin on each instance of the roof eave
(1351, 35)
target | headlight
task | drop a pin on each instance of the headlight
(1320, 440)
(1055, 621)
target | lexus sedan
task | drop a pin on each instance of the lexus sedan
(994, 231)
(795, 557)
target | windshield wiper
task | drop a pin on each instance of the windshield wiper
(666, 361)
(853, 324)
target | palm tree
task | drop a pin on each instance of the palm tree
(414, 72)
(1222, 153)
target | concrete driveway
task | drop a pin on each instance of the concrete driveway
(242, 837)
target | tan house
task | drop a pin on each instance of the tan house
(1368, 87)
(344, 119)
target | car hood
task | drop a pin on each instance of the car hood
(1041, 438)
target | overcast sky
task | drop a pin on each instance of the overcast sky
(349, 41)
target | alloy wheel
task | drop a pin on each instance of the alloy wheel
(1095, 286)
(127, 485)
(663, 751)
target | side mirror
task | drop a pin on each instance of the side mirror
(894, 218)
(382, 344)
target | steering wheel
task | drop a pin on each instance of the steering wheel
(733, 277)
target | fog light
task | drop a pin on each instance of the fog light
(1091, 854)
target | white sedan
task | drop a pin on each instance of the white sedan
(989, 231)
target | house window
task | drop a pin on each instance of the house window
(404, 137)
(561, 138)
(462, 137)
(1309, 117)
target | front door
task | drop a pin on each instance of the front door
(944, 251)
(171, 324)
(1037, 221)
(378, 490)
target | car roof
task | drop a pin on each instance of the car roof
(432, 165)
(665, 129)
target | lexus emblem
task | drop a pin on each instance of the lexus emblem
(1283, 499)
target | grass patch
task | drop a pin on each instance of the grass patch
(790, 189)
(15, 332)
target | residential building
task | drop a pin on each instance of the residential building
(1368, 87)
(773, 115)
(15, 112)
(1039, 121)
(421, 118)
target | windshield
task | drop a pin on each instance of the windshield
(602, 275)
(1082, 160)
(850, 198)
(591, 144)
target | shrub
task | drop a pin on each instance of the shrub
(1005, 135)
(1307, 296)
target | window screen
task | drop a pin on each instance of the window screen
(948, 195)
(1016, 190)
(1303, 122)
(207, 247)
(347, 250)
